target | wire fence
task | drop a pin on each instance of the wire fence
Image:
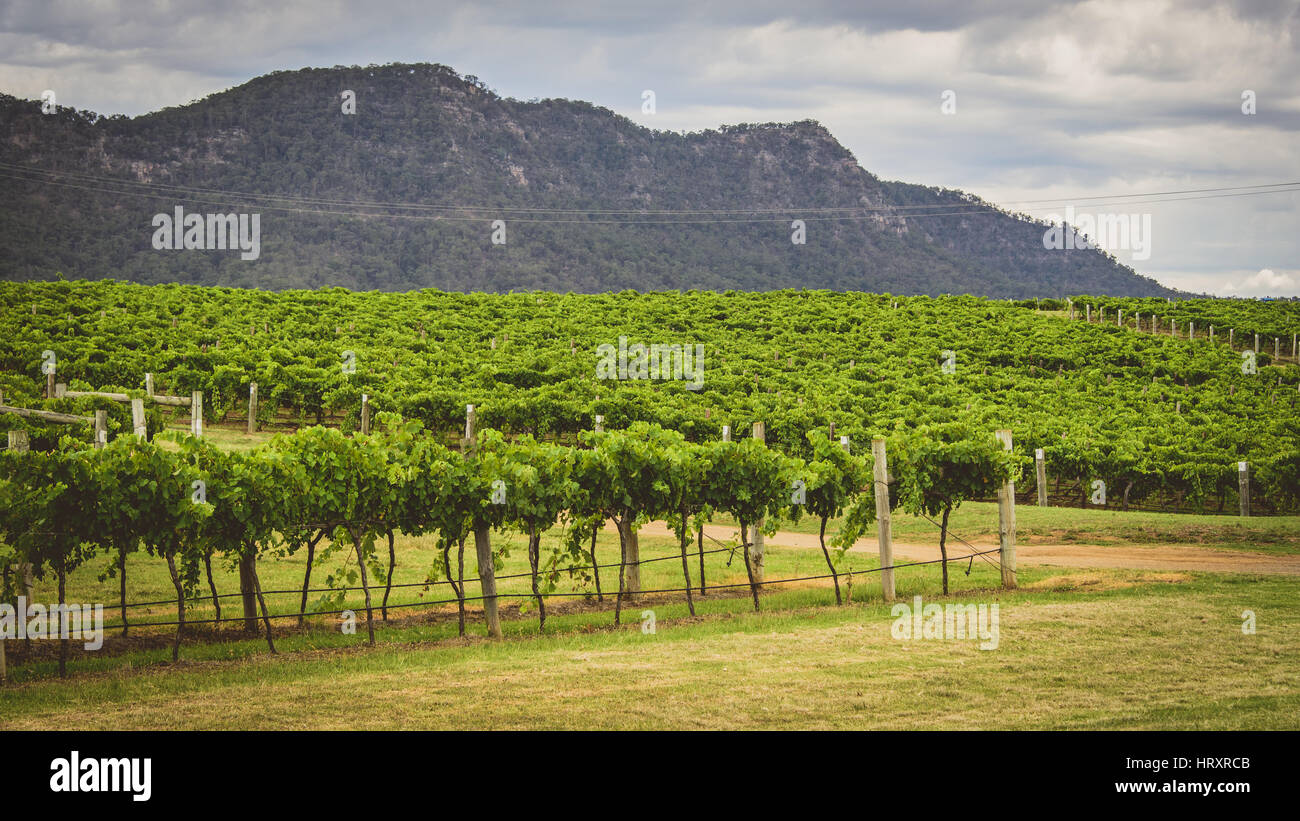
(553, 572)
(568, 593)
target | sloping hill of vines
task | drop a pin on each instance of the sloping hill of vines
(1155, 413)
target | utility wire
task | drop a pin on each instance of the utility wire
(849, 213)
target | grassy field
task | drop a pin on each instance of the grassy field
(1089, 649)
(1076, 649)
(978, 521)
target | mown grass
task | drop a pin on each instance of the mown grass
(1094, 649)
(1077, 648)
(978, 521)
(148, 581)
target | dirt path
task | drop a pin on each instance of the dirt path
(1133, 557)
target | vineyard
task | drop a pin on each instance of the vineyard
(1126, 398)
(473, 443)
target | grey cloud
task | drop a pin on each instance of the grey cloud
(1052, 96)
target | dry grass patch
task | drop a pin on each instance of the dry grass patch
(1099, 581)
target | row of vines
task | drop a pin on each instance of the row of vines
(1163, 418)
(187, 503)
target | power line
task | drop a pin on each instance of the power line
(336, 207)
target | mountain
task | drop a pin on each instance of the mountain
(83, 191)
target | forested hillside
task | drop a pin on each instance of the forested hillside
(709, 210)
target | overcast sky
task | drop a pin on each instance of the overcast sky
(1052, 99)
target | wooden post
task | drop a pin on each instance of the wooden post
(101, 428)
(196, 413)
(1277, 350)
(844, 443)
(487, 574)
(467, 444)
(1191, 330)
(884, 529)
(148, 385)
(600, 423)
(1040, 466)
(365, 414)
(252, 407)
(756, 553)
(726, 433)
(1007, 522)
(138, 426)
(248, 591)
(49, 386)
(18, 442)
(1211, 334)
(1256, 343)
(1231, 332)
(1243, 486)
(1088, 317)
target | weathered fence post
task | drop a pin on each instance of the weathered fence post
(1256, 343)
(726, 433)
(487, 574)
(365, 414)
(884, 526)
(756, 553)
(138, 426)
(19, 442)
(248, 591)
(1040, 467)
(252, 407)
(1088, 315)
(101, 428)
(148, 384)
(1243, 486)
(1007, 522)
(196, 413)
(600, 423)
